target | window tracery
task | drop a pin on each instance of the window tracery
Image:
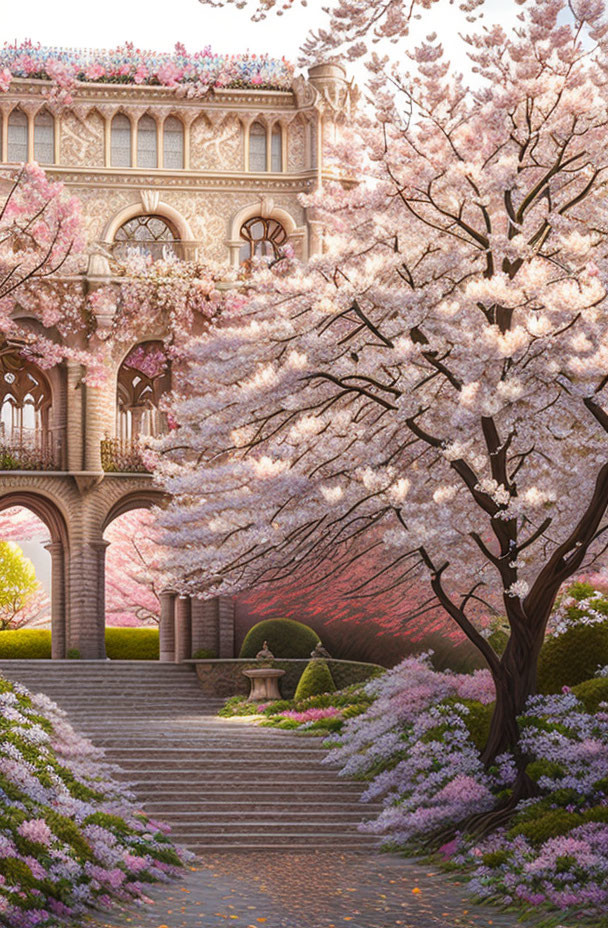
(262, 238)
(144, 378)
(149, 235)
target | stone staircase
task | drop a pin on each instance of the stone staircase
(222, 784)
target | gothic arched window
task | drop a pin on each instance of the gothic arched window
(257, 147)
(173, 143)
(148, 235)
(147, 147)
(143, 378)
(276, 150)
(121, 141)
(44, 138)
(25, 403)
(262, 237)
(17, 136)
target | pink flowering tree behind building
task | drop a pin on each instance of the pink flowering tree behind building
(438, 376)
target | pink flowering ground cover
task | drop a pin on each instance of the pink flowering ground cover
(419, 743)
(71, 839)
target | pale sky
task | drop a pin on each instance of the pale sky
(158, 24)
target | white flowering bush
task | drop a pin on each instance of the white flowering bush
(70, 837)
(419, 745)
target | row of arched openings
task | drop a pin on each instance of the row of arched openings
(156, 237)
(265, 143)
(27, 431)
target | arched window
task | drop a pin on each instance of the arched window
(148, 235)
(277, 149)
(147, 148)
(262, 237)
(173, 143)
(25, 404)
(121, 141)
(17, 136)
(257, 147)
(144, 378)
(44, 138)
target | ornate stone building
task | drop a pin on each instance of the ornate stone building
(216, 178)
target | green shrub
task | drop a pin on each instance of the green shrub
(204, 654)
(315, 680)
(285, 637)
(592, 692)
(572, 657)
(26, 643)
(73, 654)
(551, 824)
(132, 644)
(544, 768)
(477, 720)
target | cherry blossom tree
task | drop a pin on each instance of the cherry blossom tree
(133, 582)
(433, 388)
(41, 239)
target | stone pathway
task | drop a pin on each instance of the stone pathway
(310, 890)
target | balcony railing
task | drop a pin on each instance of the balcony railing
(31, 450)
(124, 456)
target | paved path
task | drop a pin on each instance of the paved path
(322, 890)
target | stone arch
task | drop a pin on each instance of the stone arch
(154, 206)
(49, 512)
(135, 499)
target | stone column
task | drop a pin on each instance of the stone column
(225, 611)
(100, 548)
(167, 626)
(74, 417)
(58, 601)
(183, 629)
(204, 625)
(94, 428)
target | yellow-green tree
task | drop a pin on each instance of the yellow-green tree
(19, 587)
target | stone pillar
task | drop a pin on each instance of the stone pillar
(204, 625)
(167, 626)
(100, 548)
(58, 601)
(183, 629)
(225, 611)
(94, 428)
(74, 416)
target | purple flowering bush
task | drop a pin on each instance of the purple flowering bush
(71, 838)
(418, 744)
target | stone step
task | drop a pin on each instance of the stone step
(292, 839)
(219, 784)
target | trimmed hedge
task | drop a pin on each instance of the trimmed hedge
(315, 680)
(122, 644)
(285, 637)
(26, 643)
(132, 644)
(573, 657)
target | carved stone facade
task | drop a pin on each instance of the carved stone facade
(129, 152)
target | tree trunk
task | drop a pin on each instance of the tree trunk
(515, 681)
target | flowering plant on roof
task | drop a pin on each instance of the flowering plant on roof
(190, 74)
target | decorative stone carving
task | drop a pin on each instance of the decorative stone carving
(150, 200)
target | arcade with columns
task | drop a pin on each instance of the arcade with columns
(214, 179)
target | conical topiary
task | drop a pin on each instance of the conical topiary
(315, 680)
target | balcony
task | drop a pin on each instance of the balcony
(31, 450)
(125, 456)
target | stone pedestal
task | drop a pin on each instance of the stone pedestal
(264, 683)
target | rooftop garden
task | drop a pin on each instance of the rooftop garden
(191, 74)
